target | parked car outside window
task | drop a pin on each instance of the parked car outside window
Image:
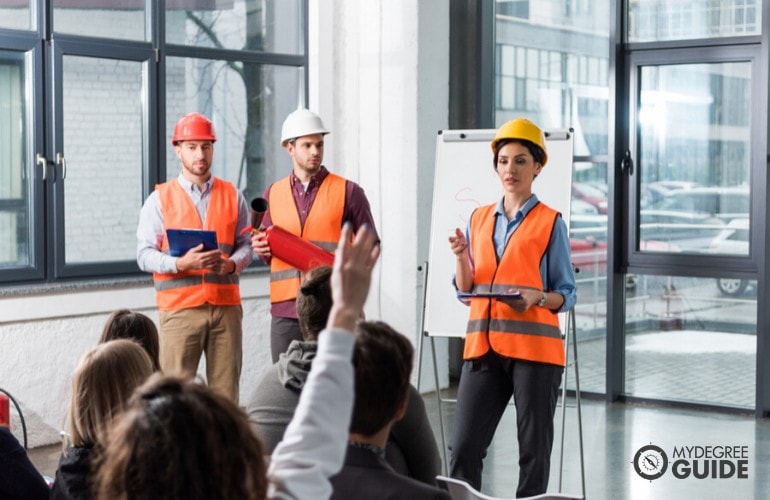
(732, 240)
(590, 194)
(724, 203)
(692, 217)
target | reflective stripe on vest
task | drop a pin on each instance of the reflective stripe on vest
(535, 334)
(322, 227)
(193, 288)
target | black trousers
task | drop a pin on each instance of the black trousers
(486, 386)
(282, 332)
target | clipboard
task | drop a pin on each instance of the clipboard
(488, 295)
(182, 240)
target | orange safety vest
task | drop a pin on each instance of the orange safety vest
(534, 335)
(322, 227)
(193, 288)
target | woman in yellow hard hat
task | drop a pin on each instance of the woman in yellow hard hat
(513, 264)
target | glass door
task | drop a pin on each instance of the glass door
(100, 151)
(23, 163)
(691, 319)
(77, 83)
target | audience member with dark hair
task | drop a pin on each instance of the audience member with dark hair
(382, 358)
(411, 448)
(127, 324)
(177, 432)
(19, 480)
(102, 384)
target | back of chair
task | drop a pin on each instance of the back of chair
(461, 490)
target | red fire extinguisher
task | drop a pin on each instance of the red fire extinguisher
(286, 246)
(295, 251)
(5, 411)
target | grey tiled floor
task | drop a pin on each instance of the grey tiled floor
(724, 378)
(612, 433)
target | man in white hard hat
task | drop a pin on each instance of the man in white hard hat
(312, 203)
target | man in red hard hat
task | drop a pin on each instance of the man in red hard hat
(198, 292)
(312, 203)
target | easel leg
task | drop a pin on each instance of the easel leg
(439, 402)
(571, 333)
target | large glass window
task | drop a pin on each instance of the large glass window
(694, 155)
(16, 14)
(105, 141)
(692, 339)
(257, 25)
(659, 20)
(551, 65)
(121, 19)
(87, 115)
(14, 199)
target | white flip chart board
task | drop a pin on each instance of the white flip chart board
(465, 179)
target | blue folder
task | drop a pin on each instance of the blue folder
(182, 240)
(488, 295)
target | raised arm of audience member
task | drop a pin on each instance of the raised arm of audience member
(132, 325)
(314, 445)
(19, 480)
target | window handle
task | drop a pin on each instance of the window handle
(43, 162)
(627, 163)
(60, 160)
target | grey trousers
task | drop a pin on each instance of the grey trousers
(486, 386)
(282, 332)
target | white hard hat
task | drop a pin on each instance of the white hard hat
(299, 123)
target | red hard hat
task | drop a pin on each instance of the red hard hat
(193, 127)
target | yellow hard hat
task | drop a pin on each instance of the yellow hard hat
(521, 128)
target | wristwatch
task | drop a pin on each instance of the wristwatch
(543, 300)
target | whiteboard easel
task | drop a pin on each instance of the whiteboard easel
(465, 179)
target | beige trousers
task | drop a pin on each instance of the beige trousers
(185, 334)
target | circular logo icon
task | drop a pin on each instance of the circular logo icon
(650, 462)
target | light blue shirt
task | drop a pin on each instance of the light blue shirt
(556, 269)
(150, 231)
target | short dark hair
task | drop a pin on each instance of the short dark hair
(127, 324)
(314, 301)
(536, 151)
(383, 362)
(180, 439)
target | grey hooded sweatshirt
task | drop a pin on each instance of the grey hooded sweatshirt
(411, 450)
(272, 404)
